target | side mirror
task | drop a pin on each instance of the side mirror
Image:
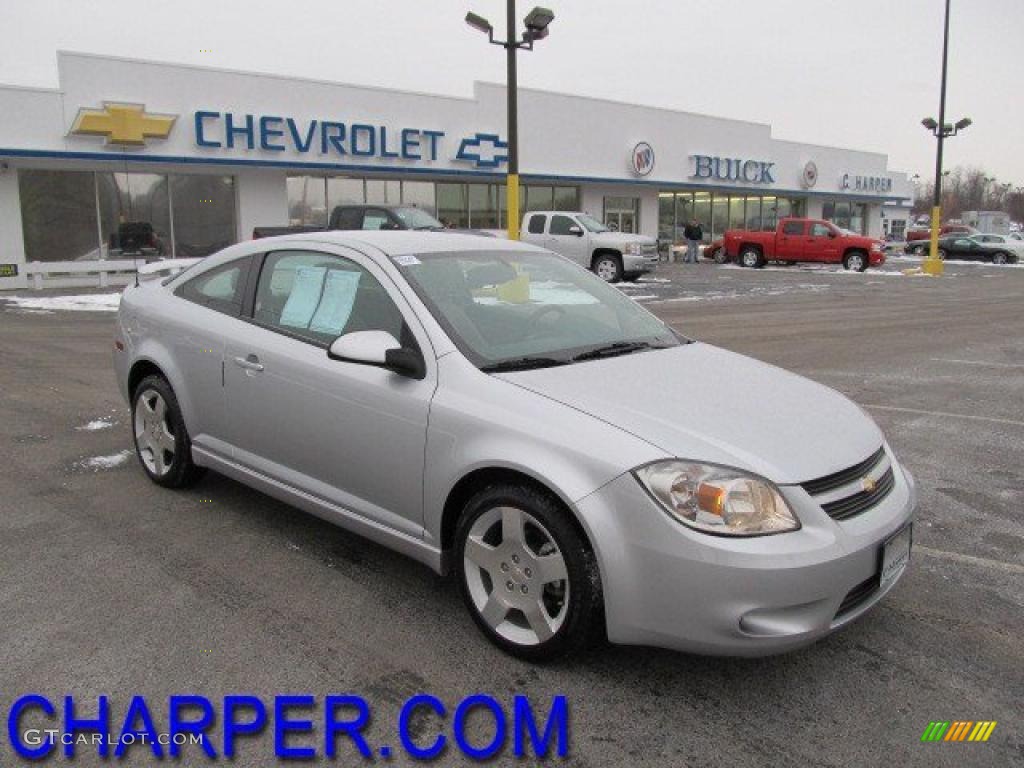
(378, 348)
(576, 229)
(832, 233)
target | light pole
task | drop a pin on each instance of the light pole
(536, 23)
(941, 129)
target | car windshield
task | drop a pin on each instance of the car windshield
(591, 223)
(415, 218)
(508, 310)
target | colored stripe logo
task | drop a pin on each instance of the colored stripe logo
(958, 730)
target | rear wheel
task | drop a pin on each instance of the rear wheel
(608, 267)
(855, 261)
(161, 440)
(751, 257)
(526, 573)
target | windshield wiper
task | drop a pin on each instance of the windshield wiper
(523, 364)
(616, 348)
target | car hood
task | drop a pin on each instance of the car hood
(621, 238)
(703, 403)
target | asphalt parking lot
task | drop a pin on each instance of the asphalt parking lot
(112, 585)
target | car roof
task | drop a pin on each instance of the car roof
(403, 241)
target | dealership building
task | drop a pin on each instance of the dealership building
(127, 158)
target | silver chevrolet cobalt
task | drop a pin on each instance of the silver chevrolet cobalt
(491, 408)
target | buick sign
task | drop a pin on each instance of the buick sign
(642, 159)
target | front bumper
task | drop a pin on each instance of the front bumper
(643, 262)
(670, 586)
(876, 258)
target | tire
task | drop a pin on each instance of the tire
(162, 444)
(855, 261)
(1000, 258)
(496, 573)
(631, 277)
(941, 254)
(751, 257)
(721, 256)
(608, 267)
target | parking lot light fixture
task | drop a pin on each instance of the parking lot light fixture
(536, 28)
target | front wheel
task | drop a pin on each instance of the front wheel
(161, 440)
(527, 575)
(608, 268)
(855, 261)
(721, 256)
(1000, 258)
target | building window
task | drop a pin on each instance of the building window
(58, 215)
(846, 215)
(76, 215)
(307, 201)
(898, 228)
(204, 214)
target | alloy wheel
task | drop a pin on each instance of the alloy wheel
(154, 436)
(516, 576)
(606, 270)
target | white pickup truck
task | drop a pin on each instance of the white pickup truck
(613, 256)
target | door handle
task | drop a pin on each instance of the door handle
(250, 363)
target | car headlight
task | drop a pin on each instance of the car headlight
(717, 500)
(633, 249)
(876, 246)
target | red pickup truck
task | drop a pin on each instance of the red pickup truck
(804, 240)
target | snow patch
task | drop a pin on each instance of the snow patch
(97, 463)
(92, 302)
(101, 423)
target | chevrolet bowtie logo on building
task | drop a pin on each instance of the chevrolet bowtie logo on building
(123, 124)
(484, 149)
(958, 730)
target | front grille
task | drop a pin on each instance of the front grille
(857, 596)
(860, 502)
(844, 477)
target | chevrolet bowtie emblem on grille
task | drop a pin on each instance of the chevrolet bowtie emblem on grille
(126, 124)
(867, 484)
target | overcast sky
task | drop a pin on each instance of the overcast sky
(848, 73)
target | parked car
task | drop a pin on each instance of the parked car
(347, 217)
(484, 406)
(919, 239)
(973, 249)
(1004, 248)
(612, 256)
(797, 240)
(715, 251)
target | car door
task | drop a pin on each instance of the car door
(197, 339)
(351, 434)
(790, 243)
(820, 245)
(569, 238)
(964, 248)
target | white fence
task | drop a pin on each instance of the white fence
(80, 274)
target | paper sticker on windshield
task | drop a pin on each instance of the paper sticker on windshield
(406, 260)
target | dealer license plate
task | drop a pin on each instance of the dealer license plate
(895, 556)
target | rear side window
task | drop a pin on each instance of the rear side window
(536, 224)
(793, 228)
(560, 225)
(221, 289)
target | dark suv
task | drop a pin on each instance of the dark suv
(367, 217)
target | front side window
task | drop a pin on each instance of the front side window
(529, 308)
(319, 297)
(561, 225)
(819, 230)
(221, 288)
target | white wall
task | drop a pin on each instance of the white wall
(12, 242)
(262, 200)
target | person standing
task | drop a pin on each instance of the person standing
(693, 234)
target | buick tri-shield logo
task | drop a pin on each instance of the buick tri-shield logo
(642, 159)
